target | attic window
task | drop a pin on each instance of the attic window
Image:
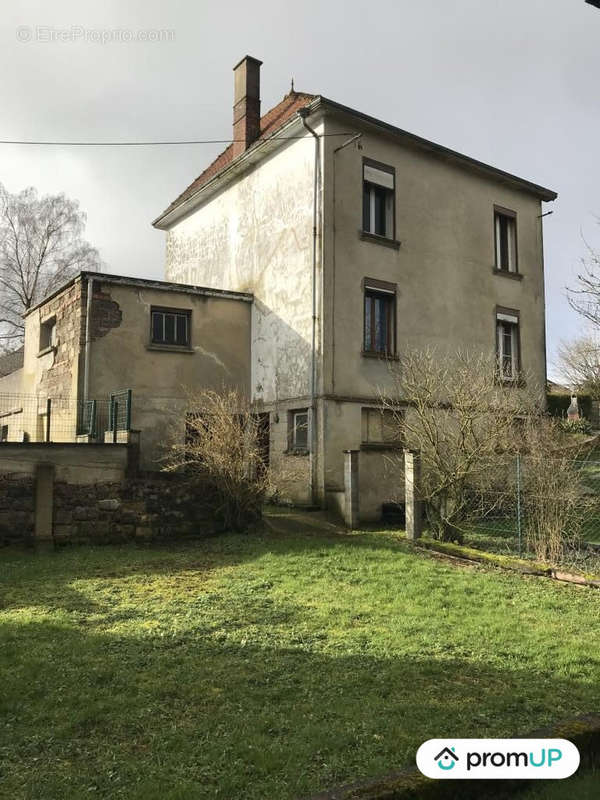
(378, 199)
(48, 334)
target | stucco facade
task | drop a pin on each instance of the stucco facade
(121, 354)
(250, 228)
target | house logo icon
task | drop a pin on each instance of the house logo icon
(446, 758)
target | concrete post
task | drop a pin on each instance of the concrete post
(44, 502)
(351, 488)
(412, 480)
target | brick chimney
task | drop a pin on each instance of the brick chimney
(246, 104)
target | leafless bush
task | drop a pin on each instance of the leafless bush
(553, 496)
(463, 420)
(216, 443)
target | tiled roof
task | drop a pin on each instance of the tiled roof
(269, 123)
(10, 362)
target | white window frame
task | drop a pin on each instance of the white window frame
(502, 321)
(376, 178)
(294, 427)
(511, 234)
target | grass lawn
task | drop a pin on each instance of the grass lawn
(270, 666)
(585, 786)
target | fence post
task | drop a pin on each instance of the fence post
(519, 531)
(351, 497)
(114, 420)
(128, 420)
(92, 430)
(413, 505)
(48, 417)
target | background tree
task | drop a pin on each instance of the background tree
(584, 297)
(41, 246)
(579, 363)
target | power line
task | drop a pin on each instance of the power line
(156, 144)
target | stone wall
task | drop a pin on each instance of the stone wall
(16, 509)
(143, 509)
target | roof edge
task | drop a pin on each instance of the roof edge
(249, 155)
(149, 283)
(542, 192)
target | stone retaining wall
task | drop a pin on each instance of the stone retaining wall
(145, 508)
(17, 517)
(140, 509)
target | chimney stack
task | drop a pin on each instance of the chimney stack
(246, 104)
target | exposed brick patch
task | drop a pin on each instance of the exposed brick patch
(106, 314)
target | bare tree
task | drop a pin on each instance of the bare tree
(41, 246)
(215, 442)
(579, 363)
(462, 418)
(585, 297)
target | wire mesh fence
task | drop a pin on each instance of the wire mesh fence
(530, 505)
(31, 418)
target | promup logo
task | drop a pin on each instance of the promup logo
(468, 759)
(447, 758)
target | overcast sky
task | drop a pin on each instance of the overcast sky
(510, 82)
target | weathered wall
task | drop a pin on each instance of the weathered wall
(122, 356)
(12, 383)
(256, 236)
(447, 291)
(380, 467)
(74, 463)
(55, 372)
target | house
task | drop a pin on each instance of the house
(101, 335)
(356, 239)
(315, 248)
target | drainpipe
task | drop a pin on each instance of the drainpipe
(303, 113)
(86, 357)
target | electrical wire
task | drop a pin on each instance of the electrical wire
(157, 144)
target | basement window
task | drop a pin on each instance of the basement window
(378, 199)
(381, 426)
(48, 334)
(505, 233)
(170, 327)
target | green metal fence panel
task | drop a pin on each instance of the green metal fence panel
(119, 418)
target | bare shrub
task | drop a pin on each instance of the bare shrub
(216, 444)
(462, 419)
(553, 502)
